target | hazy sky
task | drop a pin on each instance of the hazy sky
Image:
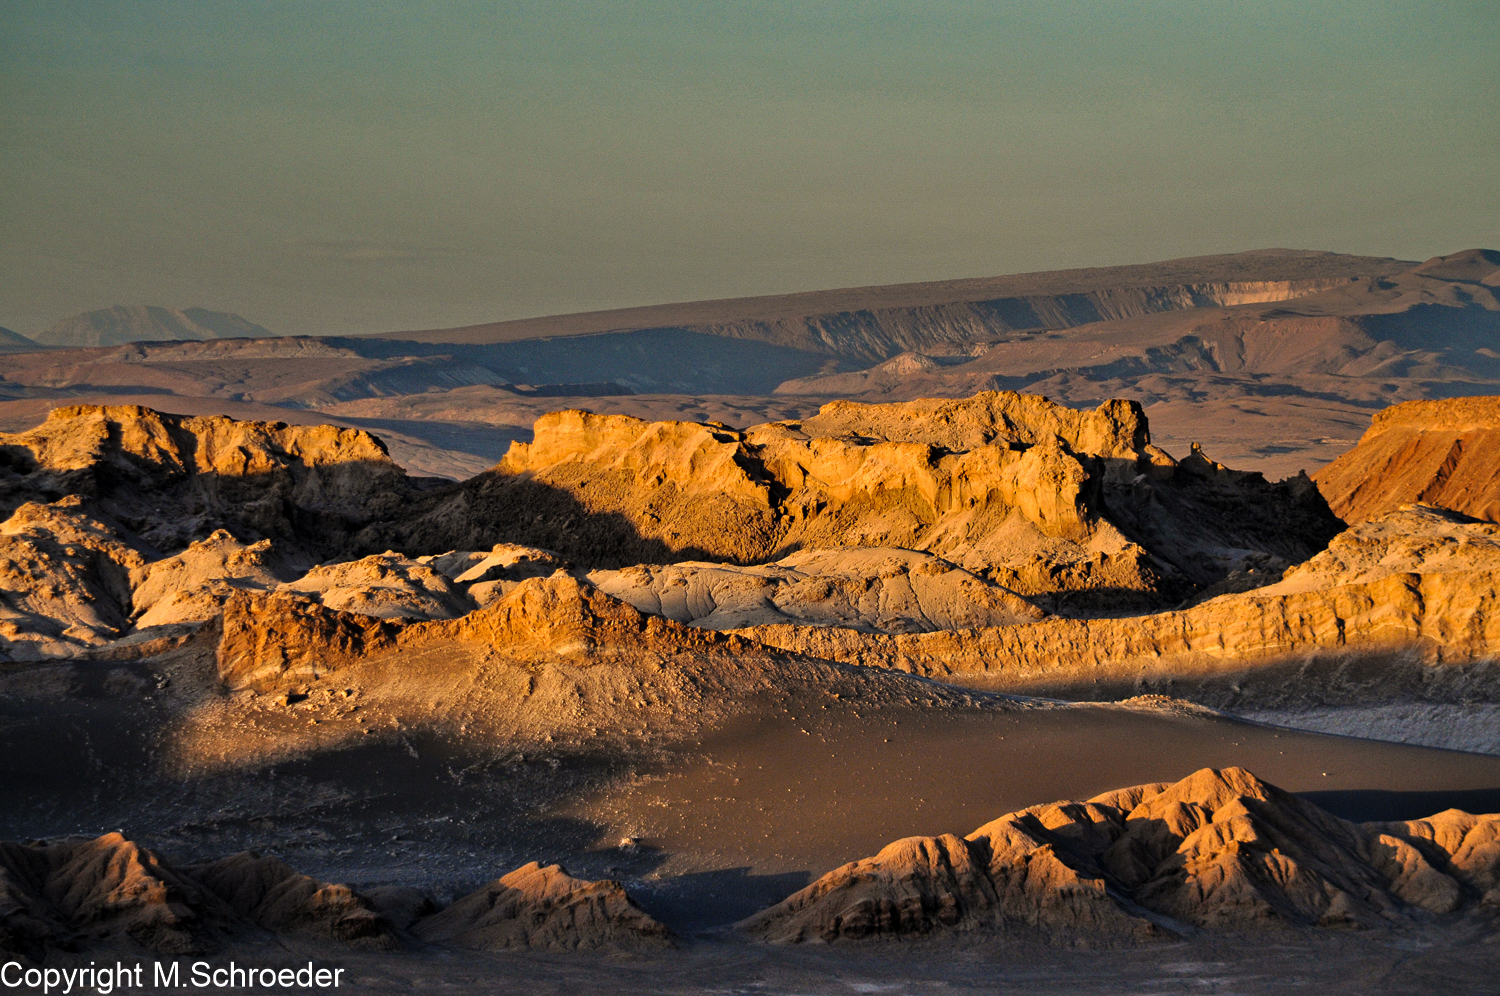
(365, 166)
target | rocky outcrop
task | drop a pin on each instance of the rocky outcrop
(110, 892)
(272, 894)
(272, 639)
(192, 586)
(65, 580)
(544, 908)
(386, 585)
(172, 479)
(869, 589)
(103, 892)
(1219, 850)
(1034, 496)
(1443, 453)
(1421, 583)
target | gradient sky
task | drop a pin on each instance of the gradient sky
(363, 167)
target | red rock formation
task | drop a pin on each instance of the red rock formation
(1443, 453)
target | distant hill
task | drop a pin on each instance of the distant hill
(147, 323)
(15, 342)
(868, 324)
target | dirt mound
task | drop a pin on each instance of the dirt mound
(172, 479)
(870, 589)
(1439, 452)
(1039, 498)
(544, 908)
(1219, 849)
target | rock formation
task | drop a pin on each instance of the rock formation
(192, 586)
(172, 479)
(1443, 453)
(66, 578)
(272, 894)
(1420, 582)
(544, 908)
(386, 585)
(870, 589)
(1219, 850)
(110, 892)
(1039, 498)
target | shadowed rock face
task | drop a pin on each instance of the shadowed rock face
(1443, 453)
(544, 908)
(1220, 850)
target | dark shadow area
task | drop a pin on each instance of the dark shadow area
(704, 900)
(1369, 805)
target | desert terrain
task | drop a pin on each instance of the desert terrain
(1126, 630)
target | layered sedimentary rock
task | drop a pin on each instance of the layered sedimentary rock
(1443, 453)
(1220, 850)
(171, 479)
(1036, 497)
(272, 894)
(544, 908)
(1420, 582)
(870, 589)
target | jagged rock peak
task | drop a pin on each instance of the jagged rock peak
(545, 908)
(1220, 849)
(110, 892)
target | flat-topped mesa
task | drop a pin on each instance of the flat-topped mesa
(1443, 453)
(265, 478)
(1219, 849)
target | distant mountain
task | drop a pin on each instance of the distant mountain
(147, 323)
(15, 342)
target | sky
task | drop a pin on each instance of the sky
(331, 168)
